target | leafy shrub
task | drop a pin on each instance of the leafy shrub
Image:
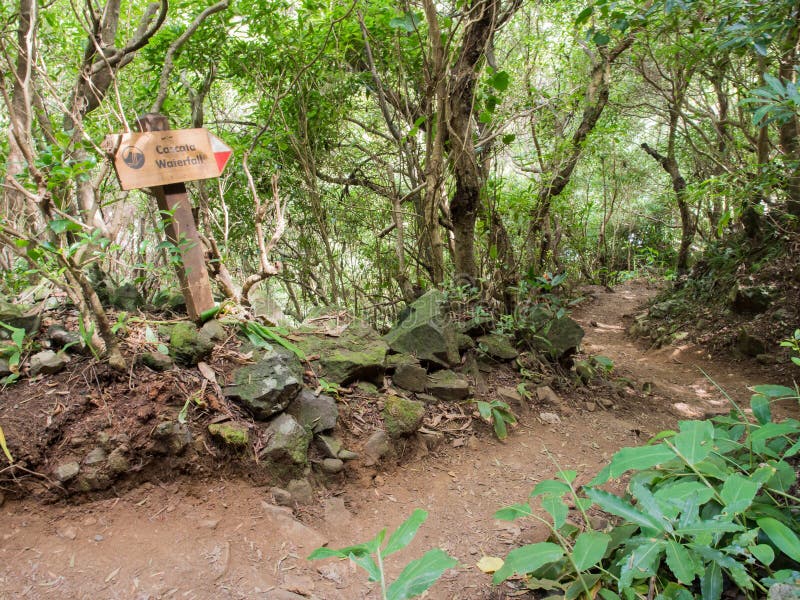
(709, 507)
(418, 575)
(499, 414)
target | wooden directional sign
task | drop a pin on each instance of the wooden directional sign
(154, 158)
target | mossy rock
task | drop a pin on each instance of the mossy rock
(188, 345)
(563, 337)
(232, 434)
(268, 386)
(402, 416)
(358, 354)
(498, 346)
(19, 316)
(448, 386)
(126, 297)
(288, 441)
(426, 332)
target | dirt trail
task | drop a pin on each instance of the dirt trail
(222, 539)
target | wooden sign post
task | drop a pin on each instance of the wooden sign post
(163, 159)
(176, 210)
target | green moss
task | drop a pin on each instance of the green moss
(230, 433)
(401, 416)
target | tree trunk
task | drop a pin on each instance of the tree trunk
(465, 202)
(670, 165)
(561, 167)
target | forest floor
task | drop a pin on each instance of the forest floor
(219, 537)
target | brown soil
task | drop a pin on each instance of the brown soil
(213, 535)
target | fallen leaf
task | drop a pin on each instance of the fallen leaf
(489, 564)
(112, 574)
(207, 372)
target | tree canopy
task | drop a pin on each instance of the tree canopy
(382, 148)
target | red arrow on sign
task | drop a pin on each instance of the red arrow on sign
(222, 152)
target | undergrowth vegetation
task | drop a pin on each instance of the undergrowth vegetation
(709, 507)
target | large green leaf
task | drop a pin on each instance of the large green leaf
(694, 441)
(682, 563)
(420, 574)
(673, 591)
(737, 493)
(367, 563)
(527, 559)
(784, 538)
(763, 552)
(734, 568)
(403, 535)
(550, 486)
(583, 582)
(357, 550)
(711, 582)
(589, 549)
(773, 430)
(759, 404)
(641, 562)
(619, 507)
(646, 502)
(636, 458)
(774, 392)
(700, 527)
(513, 512)
(556, 509)
(672, 496)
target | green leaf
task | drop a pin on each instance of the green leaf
(420, 574)
(636, 458)
(641, 562)
(357, 550)
(619, 507)
(694, 440)
(672, 496)
(59, 226)
(499, 423)
(700, 526)
(735, 569)
(527, 559)
(711, 582)
(681, 563)
(408, 22)
(793, 450)
(673, 591)
(763, 552)
(601, 39)
(513, 512)
(760, 407)
(583, 582)
(780, 535)
(366, 562)
(737, 493)
(556, 509)
(568, 475)
(500, 81)
(646, 502)
(774, 392)
(584, 15)
(484, 410)
(607, 594)
(403, 535)
(508, 138)
(773, 430)
(589, 549)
